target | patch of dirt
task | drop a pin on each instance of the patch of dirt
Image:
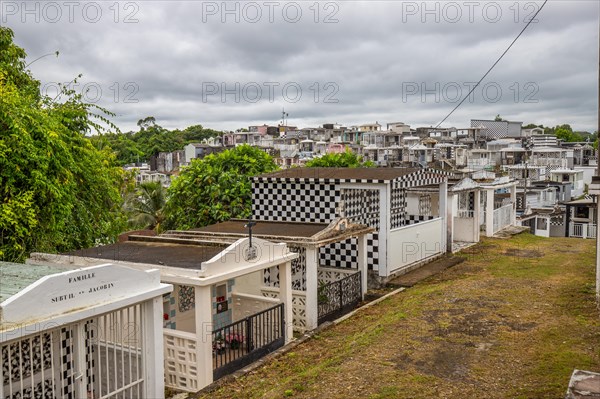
(430, 269)
(449, 361)
(523, 253)
(479, 248)
(516, 326)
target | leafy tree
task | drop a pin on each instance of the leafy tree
(498, 118)
(149, 140)
(215, 188)
(347, 159)
(145, 206)
(566, 133)
(532, 125)
(196, 133)
(57, 191)
(146, 122)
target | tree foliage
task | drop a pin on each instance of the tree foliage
(145, 206)
(149, 140)
(216, 188)
(58, 192)
(565, 132)
(346, 159)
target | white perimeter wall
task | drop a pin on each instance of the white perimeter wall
(411, 244)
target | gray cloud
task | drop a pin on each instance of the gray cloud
(373, 57)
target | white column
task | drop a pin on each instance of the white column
(153, 344)
(513, 199)
(79, 382)
(312, 287)
(362, 262)
(489, 213)
(384, 228)
(285, 295)
(476, 216)
(204, 328)
(446, 214)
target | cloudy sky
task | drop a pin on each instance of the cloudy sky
(234, 64)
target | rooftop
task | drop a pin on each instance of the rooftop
(262, 228)
(14, 277)
(341, 173)
(188, 256)
(287, 232)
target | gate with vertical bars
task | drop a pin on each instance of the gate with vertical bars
(97, 358)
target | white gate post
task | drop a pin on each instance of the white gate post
(446, 215)
(362, 263)
(153, 346)
(312, 288)
(584, 230)
(489, 213)
(476, 216)
(79, 377)
(204, 328)
(285, 295)
(513, 199)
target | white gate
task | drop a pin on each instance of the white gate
(582, 230)
(503, 217)
(98, 358)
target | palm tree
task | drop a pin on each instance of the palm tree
(145, 206)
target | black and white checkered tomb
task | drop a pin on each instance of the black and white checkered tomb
(317, 200)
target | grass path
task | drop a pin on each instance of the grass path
(512, 321)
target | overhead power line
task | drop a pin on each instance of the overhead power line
(495, 63)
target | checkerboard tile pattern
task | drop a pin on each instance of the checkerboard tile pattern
(361, 206)
(317, 200)
(298, 202)
(398, 207)
(67, 362)
(90, 338)
(271, 275)
(414, 219)
(493, 129)
(339, 254)
(556, 221)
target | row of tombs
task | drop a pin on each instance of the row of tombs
(184, 308)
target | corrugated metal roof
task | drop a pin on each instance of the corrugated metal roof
(14, 277)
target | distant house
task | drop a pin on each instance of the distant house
(575, 177)
(370, 127)
(199, 151)
(580, 218)
(536, 131)
(146, 177)
(167, 162)
(491, 129)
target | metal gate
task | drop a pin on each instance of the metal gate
(97, 358)
(339, 297)
(245, 341)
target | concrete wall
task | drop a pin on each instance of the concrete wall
(411, 244)
(465, 229)
(247, 305)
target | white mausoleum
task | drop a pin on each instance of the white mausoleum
(90, 333)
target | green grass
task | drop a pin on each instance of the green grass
(495, 326)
